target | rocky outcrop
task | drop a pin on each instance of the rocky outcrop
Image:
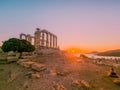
(27, 63)
(38, 67)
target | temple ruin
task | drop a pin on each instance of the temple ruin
(41, 39)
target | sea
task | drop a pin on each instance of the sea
(94, 56)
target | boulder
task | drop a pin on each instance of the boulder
(76, 84)
(38, 67)
(59, 87)
(63, 73)
(86, 84)
(35, 75)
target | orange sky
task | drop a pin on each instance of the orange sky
(75, 49)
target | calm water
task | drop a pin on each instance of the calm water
(93, 56)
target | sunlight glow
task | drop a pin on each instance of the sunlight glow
(73, 51)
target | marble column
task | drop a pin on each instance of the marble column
(50, 40)
(37, 38)
(29, 38)
(20, 36)
(55, 41)
(43, 38)
(47, 43)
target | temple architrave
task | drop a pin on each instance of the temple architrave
(41, 39)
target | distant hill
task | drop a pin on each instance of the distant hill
(110, 53)
(93, 52)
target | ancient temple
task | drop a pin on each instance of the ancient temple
(41, 39)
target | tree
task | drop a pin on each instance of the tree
(25, 46)
(14, 44)
(11, 45)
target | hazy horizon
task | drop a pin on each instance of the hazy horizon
(90, 25)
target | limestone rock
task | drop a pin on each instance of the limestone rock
(76, 84)
(58, 87)
(17, 55)
(13, 76)
(86, 84)
(35, 75)
(26, 57)
(38, 67)
(26, 53)
(3, 58)
(26, 64)
(12, 59)
(26, 84)
(24, 60)
(53, 72)
(63, 73)
(11, 53)
(117, 81)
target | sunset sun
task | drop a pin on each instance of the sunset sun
(73, 51)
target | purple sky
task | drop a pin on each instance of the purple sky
(86, 24)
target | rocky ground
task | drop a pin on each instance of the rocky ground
(56, 72)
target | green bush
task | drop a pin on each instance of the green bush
(17, 45)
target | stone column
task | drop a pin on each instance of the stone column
(21, 36)
(32, 40)
(37, 38)
(29, 38)
(47, 43)
(50, 40)
(53, 41)
(25, 37)
(43, 39)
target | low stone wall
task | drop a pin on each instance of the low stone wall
(12, 57)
